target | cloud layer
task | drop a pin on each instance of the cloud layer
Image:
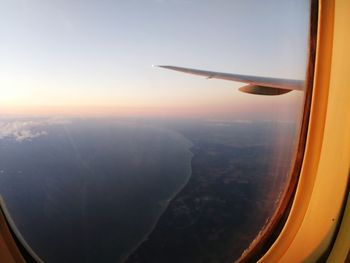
(26, 130)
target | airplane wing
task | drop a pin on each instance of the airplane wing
(256, 85)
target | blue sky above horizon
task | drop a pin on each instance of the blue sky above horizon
(99, 53)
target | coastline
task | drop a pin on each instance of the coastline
(164, 203)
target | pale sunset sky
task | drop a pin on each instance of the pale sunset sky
(98, 55)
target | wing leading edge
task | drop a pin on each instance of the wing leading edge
(256, 85)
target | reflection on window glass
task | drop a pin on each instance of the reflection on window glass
(104, 158)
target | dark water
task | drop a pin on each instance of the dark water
(115, 190)
(90, 191)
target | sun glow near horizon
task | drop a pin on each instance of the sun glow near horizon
(247, 107)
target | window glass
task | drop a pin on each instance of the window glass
(104, 158)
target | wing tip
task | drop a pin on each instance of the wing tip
(164, 66)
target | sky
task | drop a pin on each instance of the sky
(97, 56)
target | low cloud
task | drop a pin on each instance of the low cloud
(26, 130)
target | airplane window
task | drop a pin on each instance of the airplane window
(104, 158)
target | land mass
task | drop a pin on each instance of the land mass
(222, 208)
